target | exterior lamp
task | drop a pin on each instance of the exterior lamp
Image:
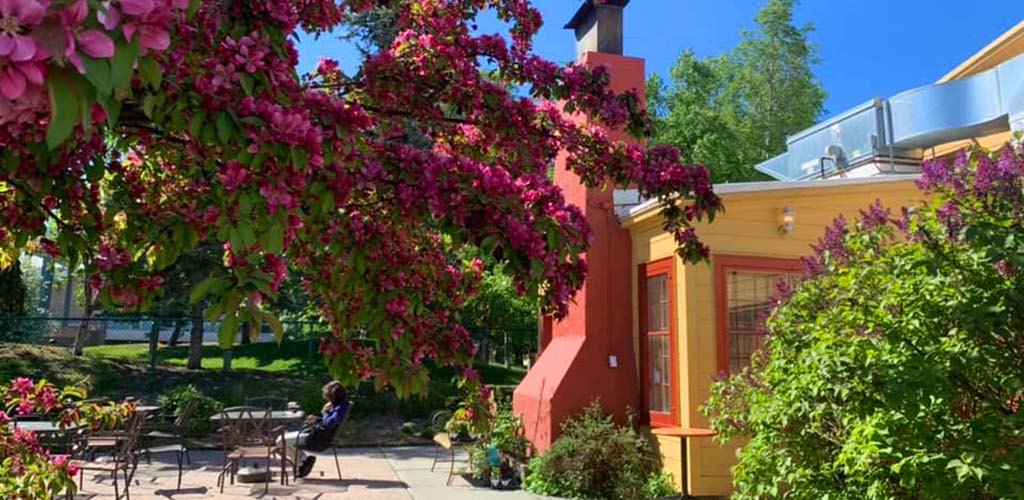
(786, 220)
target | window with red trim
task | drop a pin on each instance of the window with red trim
(745, 288)
(658, 341)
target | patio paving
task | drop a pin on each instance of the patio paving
(368, 473)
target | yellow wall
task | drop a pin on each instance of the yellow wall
(749, 227)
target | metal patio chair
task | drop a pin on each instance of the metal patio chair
(248, 433)
(123, 459)
(161, 437)
(334, 444)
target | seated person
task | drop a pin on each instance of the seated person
(319, 431)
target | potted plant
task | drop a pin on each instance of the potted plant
(459, 427)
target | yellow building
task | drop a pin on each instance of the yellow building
(696, 321)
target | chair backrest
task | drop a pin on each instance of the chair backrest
(344, 420)
(181, 422)
(245, 426)
(132, 430)
(272, 402)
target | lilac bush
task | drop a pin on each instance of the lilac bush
(896, 370)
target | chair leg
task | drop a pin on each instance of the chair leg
(117, 492)
(179, 457)
(127, 484)
(437, 452)
(337, 464)
(266, 477)
(451, 468)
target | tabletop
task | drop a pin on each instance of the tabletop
(683, 432)
(38, 426)
(274, 415)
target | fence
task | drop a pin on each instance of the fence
(503, 345)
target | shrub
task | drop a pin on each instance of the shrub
(659, 484)
(897, 369)
(199, 424)
(595, 458)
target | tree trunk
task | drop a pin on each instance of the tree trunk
(83, 328)
(246, 333)
(154, 341)
(179, 326)
(195, 340)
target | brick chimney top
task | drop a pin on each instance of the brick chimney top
(598, 27)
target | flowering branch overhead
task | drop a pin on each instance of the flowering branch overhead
(153, 125)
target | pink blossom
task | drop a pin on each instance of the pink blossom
(234, 175)
(16, 17)
(153, 26)
(21, 56)
(23, 385)
(93, 43)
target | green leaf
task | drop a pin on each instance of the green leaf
(228, 331)
(151, 73)
(65, 109)
(123, 63)
(195, 124)
(112, 106)
(300, 157)
(247, 82)
(97, 71)
(225, 130)
(274, 239)
(275, 325)
(248, 235)
(211, 285)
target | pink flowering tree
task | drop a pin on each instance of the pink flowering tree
(27, 469)
(132, 130)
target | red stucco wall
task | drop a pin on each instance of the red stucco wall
(574, 368)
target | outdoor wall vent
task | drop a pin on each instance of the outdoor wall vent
(886, 136)
(598, 27)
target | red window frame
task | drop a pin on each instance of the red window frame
(723, 265)
(650, 270)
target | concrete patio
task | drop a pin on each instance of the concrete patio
(368, 473)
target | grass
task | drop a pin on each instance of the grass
(291, 369)
(299, 357)
(293, 357)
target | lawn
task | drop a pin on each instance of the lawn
(299, 357)
(290, 369)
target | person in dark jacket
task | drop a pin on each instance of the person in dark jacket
(318, 428)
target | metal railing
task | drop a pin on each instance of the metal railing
(495, 344)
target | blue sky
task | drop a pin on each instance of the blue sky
(868, 47)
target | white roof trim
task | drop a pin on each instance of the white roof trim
(754, 187)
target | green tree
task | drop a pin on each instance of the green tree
(897, 371)
(507, 319)
(733, 111)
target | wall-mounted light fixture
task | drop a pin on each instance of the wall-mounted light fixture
(786, 220)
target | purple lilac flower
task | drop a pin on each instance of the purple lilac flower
(949, 214)
(876, 216)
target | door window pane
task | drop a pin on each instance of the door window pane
(660, 382)
(657, 304)
(659, 354)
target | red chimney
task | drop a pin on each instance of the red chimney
(589, 355)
